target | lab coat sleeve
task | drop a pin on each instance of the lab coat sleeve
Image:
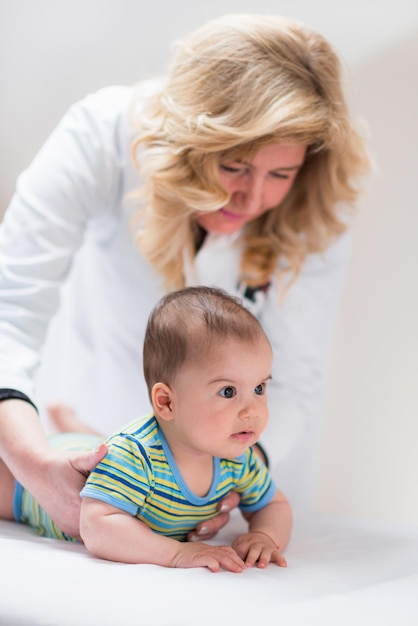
(300, 330)
(73, 180)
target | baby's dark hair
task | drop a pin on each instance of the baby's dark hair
(186, 323)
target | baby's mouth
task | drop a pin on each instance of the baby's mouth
(243, 434)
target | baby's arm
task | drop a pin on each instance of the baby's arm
(112, 534)
(269, 533)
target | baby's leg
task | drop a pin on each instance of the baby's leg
(64, 420)
(7, 489)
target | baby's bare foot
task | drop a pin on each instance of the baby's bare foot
(64, 420)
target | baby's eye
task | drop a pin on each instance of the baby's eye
(228, 392)
(260, 389)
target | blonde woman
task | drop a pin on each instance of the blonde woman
(237, 171)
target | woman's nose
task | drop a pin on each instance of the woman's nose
(249, 196)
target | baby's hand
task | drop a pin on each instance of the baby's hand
(197, 554)
(256, 547)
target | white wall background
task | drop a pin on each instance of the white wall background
(369, 461)
(53, 52)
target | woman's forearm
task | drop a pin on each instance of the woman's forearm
(22, 440)
(54, 477)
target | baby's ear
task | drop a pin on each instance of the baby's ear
(162, 397)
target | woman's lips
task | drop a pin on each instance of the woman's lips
(231, 216)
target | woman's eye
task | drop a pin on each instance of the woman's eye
(230, 168)
(280, 176)
(260, 389)
(227, 392)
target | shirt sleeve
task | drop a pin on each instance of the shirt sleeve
(73, 180)
(300, 329)
(255, 486)
(124, 478)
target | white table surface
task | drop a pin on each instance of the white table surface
(341, 573)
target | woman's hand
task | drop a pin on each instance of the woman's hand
(54, 477)
(208, 529)
(65, 474)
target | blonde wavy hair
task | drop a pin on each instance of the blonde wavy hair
(235, 85)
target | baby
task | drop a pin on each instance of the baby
(207, 365)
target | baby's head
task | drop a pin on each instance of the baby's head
(187, 324)
(207, 364)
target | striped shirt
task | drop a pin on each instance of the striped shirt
(139, 476)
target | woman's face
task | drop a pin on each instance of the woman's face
(255, 185)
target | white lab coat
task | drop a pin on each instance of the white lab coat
(66, 249)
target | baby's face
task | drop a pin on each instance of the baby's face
(220, 401)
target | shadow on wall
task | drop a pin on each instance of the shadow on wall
(370, 426)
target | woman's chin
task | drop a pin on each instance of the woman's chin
(219, 224)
